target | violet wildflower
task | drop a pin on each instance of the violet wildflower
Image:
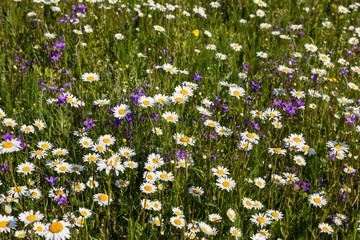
(89, 124)
(51, 180)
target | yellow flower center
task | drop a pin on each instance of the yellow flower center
(177, 222)
(184, 92)
(56, 227)
(26, 169)
(146, 102)
(317, 200)
(275, 214)
(185, 139)
(90, 78)
(44, 146)
(250, 135)
(226, 184)
(4, 224)
(121, 111)
(63, 168)
(31, 218)
(261, 219)
(103, 198)
(164, 176)
(196, 191)
(18, 189)
(8, 144)
(58, 192)
(27, 129)
(337, 146)
(306, 148)
(148, 188)
(236, 93)
(170, 118)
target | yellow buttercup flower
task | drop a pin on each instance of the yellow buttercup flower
(196, 32)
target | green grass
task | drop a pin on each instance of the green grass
(122, 73)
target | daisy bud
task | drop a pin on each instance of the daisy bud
(8, 209)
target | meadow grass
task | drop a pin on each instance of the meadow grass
(275, 142)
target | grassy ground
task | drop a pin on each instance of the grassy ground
(42, 78)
